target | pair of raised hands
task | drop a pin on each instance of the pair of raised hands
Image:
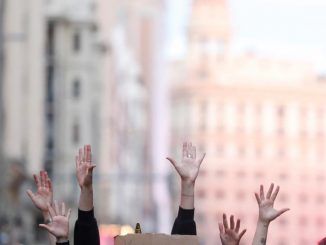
(231, 235)
(55, 215)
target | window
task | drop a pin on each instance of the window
(220, 194)
(201, 193)
(76, 89)
(75, 133)
(76, 42)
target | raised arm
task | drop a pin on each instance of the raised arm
(84, 172)
(188, 170)
(42, 197)
(59, 223)
(86, 229)
(230, 235)
(267, 213)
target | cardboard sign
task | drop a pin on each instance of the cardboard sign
(155, 239)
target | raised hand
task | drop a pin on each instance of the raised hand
(59, 223)
(230, 235)
(84, 167)
(44, 193)
(188, 168)
(267, 212)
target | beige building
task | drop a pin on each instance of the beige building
(50, 101)
(259, 120)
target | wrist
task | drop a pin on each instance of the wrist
(88, 188)
(264, 223)
(62, 239)
(187, 189)
(46, 215)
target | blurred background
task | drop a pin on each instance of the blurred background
(245, 81)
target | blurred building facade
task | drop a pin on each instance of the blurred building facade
(260, 120)
(132, 175)
(87, 72)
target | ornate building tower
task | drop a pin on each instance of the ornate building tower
(259, 120)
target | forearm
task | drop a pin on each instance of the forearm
(46, 217)
(187, 195)
(260, 237)
(86, 199)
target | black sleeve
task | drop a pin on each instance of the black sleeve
(86, 229)
(322, 242)
(184, 224)
(63, 243)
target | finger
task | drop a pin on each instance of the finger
(280, 212)
(31, 195)
(63, 209)
(46, 177)
(42, 178)
(36, 180)
(225, 222)
(184, 150)
(202, 158)
(232, 222)
(242, 233)
(56, 207)
(189, 145)
(193, 152)
(84, 153)
(88, 153)
(220, 227)
(275, 193)
(90, 169)
(50, 185)
(51, 210)
(237, 227)
(269, 193)
(262, 195)
(68, 213)
(48, 228)
(80, 155)
(257, 198)
(77, 161)
(174, 163)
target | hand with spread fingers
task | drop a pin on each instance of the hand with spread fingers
(59, 223)
(188, 168)
(44, 193)
(230, 235)
(267, 213)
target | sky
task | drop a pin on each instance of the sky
(289, 29)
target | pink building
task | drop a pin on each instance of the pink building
(260, 121)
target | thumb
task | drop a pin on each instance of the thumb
(174, 163)
(48, 228)
(90, 168)
(220, 227)
(31, 195)
(280, 212)
(202, 158)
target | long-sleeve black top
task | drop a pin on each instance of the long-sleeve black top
(184, 223)
(86, 229)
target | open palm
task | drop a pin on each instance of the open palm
(44, 193)
(188, 169)
(84, 167)
(267, 212)
(59, 225)
(230, 235)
